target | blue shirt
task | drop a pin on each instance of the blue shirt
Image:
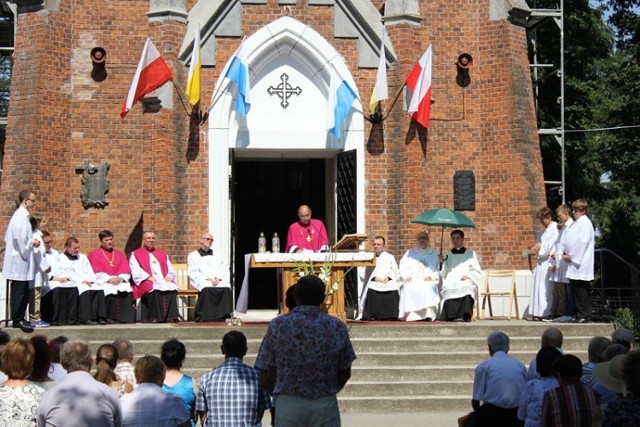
(499, 381)
(230, 396)
(149, 405)
(184, 389)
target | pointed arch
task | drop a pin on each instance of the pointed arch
(283, 46)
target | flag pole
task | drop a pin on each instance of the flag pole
(393, 102)
(181, 92)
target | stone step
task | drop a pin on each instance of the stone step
(356, 388)
(438, 358)
(392, 374)
(458, 344)
(516, 328)
(435, 360)
(456, 404)
(391, 330)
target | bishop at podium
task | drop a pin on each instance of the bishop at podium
(307, 234)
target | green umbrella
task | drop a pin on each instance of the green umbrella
(445, 218)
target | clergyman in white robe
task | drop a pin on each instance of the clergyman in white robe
(420, 279)
(540, 300)
(91, 298)
(384, 279)
(209, 274)
(461, 277)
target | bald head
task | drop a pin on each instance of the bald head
(551, 337)
(304, 214)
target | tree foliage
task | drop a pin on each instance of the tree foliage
(601, 90)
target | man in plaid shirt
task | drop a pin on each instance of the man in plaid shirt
(228, 396)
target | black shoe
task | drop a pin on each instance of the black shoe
(102, 322)
(24, 326)
(89, 322)
(583, 320)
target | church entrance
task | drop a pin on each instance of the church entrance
(267, 194)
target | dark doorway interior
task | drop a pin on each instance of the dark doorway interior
(267, 195)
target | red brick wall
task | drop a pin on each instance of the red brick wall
(159, 174)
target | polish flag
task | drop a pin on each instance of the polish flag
(419, 81)
(152, 73)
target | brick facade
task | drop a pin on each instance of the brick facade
(59, 117)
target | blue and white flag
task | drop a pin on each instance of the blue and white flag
(238, 73)
(341, 96)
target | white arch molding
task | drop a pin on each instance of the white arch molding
(269, 131)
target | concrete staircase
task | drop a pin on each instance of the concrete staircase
(425, 367)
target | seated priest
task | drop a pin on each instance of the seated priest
(155, 281)
(59, 303)
(209, 274)
(420, 278)
(113, 273)
(380, 297)
(461, 276)
(307, 234)
(75, 267)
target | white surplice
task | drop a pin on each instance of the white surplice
(580, 246)
(542, 277)
(111, 289)
(41, 263)
(453, 269)
(139, 275)
(560, 275)
(200, 268)
(419, 296)
(386, 266)
(76, 271)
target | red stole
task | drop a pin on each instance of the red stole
(142, 256)
(99, 260)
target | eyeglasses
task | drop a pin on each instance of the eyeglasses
(208, 239)
(32, 200)
(48, 242)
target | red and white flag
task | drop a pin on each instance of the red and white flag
(152, 73)
(419, 81)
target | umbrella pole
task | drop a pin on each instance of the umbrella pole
(441, 239)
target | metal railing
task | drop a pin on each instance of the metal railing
(616, 285)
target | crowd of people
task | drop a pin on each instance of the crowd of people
(558, 390)
(68, 287)
(60, 382)
(108, 389)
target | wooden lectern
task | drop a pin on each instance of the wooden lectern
(287, 264)
(349, 242)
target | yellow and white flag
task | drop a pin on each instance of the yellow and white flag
(380, 91)
(193, 83)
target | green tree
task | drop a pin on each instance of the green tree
(601, 90)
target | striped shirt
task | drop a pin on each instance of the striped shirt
(570, 405)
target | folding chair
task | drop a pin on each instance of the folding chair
(185, 294)
(511, 293)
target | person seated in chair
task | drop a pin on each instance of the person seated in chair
(419, 296)
(155, 281)
(461, 277)
(113, 273)
(209, 274)
(72, 269)
(380, 297)
(59, 301)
